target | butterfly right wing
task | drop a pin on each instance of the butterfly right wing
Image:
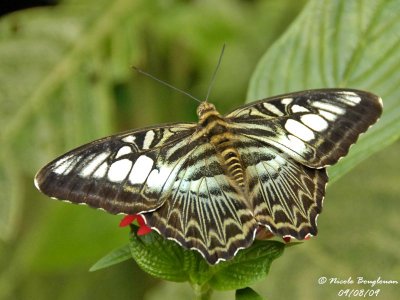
(314, 127)
(286, 196)
(285, 143)
(123, 173)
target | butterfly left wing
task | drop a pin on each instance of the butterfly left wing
(123, 173)
(169, 174)
(314, 127)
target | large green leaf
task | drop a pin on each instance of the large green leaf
(343, 44)
(340, 43)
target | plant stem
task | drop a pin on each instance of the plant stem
(202, 292)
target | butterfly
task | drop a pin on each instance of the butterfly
(210, 185)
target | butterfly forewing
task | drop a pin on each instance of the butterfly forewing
(125, 173)
(315, 127)
(209, 185)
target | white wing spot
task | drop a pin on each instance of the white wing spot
(93, 164)
(286, 101)
(298, 108)
(296, 144)
(148, 139)
(328, 107)
(272, 108)
(129, 139)
(299, 130)
(350, 98)
(63, 166)
(158, 178)
(293, 143)
(123, 150)
(141, 169)
(315, 122)
(101, 171)
(119, 170)
(327, 115)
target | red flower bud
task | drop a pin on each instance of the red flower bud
(143, 228)
(127, 220)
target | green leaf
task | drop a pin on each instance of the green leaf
(340, 44)
(249, 266)
(167, 260)
(159, 257)
(114, 257)
(247, 294)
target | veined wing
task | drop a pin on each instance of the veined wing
(123, 173)
(314, 127)
(205, 210)
(286, 196)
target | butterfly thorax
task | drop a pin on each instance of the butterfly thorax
(217, 130)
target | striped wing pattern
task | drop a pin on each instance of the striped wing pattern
(204, 210)
(210, 185)
(126, 173)
(286, 196)
(314, 127)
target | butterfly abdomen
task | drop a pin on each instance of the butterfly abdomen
(234, 166)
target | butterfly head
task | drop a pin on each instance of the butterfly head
(205, 110)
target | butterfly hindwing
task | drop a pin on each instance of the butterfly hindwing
(125, 173)
(314, 127)
(286, 196)
(204, 210)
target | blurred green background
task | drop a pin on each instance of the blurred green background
(66, 79)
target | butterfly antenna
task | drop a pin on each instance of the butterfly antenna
(215, 72)
(165, 83)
